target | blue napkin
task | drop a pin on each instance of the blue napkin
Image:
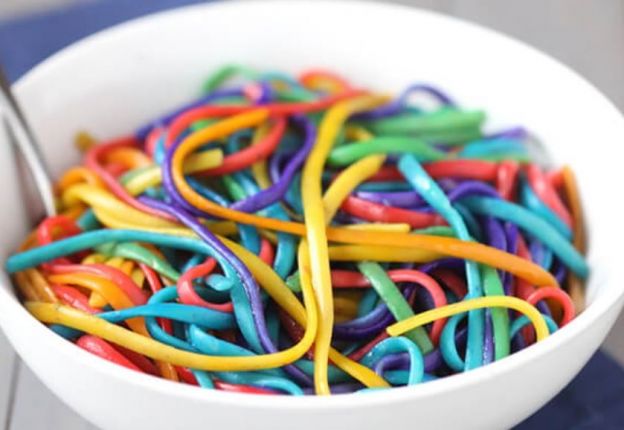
(592, 401)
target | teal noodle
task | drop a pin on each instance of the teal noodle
(91, 239)
(522, 321)
(189, 314)
(429, 190)
(533, 224)
(448, 347)
(395, 345)
(498, 148)
(286, 243)
(532, 202)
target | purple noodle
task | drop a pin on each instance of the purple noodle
(442, 263)
(370, 325)
(488, 335)
(249, 283)
(276, 191)
(343, 388)
(397, 105)
(512, 231)
(275, 164)
(518, 132)
(467, 188)
(364, 327)
(560, 271)
(400, 199)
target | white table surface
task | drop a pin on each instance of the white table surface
(587, 35)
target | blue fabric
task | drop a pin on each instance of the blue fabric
(26, 41)
(592, 401)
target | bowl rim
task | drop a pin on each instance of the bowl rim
(600, 306)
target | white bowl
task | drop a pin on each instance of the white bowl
(112, 82)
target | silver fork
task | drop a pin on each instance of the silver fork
(21, 135)
(22, 138)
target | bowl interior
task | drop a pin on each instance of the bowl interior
(113, 82)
